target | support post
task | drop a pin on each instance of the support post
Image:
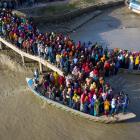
(40, 67)
(0, 46)
(23, 60)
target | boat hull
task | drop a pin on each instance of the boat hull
(117, 118)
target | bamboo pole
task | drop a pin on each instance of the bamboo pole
(0, 46)
(40, 67)
(23, 60)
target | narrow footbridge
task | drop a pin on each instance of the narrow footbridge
(27, 55)
(45, 63)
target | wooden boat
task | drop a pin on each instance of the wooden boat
(117, 118)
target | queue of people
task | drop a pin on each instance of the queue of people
(87, 63)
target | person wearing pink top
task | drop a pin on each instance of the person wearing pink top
(82, 99)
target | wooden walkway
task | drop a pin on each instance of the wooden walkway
(27, 55)
(45, 62)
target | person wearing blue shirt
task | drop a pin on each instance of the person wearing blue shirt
(125, 103)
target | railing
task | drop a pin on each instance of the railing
(35, 58)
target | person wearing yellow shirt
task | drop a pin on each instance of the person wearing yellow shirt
(76, 101)
(76, 98)
(58, 56)
(131, 62)
(106, 107)
(15, 37)
(56, 76)
(103, 58)
(137, 62)
(93, 86)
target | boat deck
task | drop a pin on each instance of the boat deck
(117, 118)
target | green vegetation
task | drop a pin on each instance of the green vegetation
(56, 10)
(50, 10)
(60, 8)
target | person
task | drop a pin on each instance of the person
(107, 68)
(35, 84)
(31, 2)
(86, 104)
(56, 76)
(76, 101)
(0, 5)
(101, 107)
(137, 62)
(5, 4)
(53, 94)
(131, 63)
(96, 107)
(36, 74)
(113, 106)
(125, 103)
(0, 26)
(106, 107)
(118, 105)
(82, 99)
(58, 57)
(139, 66)
(92, 106)
(117, 66)
(70, 94)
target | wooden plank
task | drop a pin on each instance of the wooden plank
(0, 46)
(40, 67)
(23, 60)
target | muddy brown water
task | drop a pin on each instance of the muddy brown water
(25, 117)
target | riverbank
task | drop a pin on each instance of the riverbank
(67, 16)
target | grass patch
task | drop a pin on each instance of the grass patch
(59, 9)
(84, 3)
(51, 10)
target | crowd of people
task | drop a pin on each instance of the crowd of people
(12, 4)
(87, 63)
(94, 97)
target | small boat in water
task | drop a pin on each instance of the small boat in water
(117, 118)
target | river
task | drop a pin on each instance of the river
(25, 117)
